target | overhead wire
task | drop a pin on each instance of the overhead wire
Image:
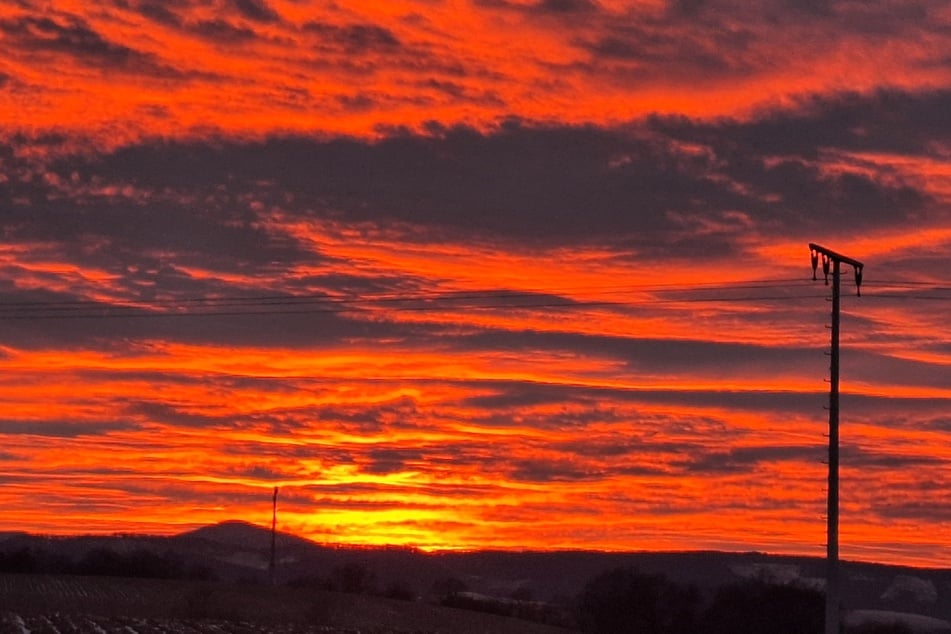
(421, 295)
(907, 289)
(937, 298)
(313, 303)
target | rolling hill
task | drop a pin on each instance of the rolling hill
(240, 552)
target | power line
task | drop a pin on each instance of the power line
(910, 283)
(652, 294)
(421, 295)
(107, 312)
(938, 298)
(319, 304)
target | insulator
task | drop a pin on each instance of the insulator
(825, 267)
(858, 281)
(814, 255)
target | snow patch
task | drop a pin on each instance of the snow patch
(247, 560)
(94, 627)
(917, 623)
(17, 621)
(780, 574)
(922, 590)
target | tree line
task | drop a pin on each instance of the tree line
(625, 601)
(616, 601)
(101, 561)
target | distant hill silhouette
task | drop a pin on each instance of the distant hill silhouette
(240, 551)
(233, 533)
(239, 534)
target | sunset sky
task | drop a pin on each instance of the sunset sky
(526, 274)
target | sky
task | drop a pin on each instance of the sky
(516, 274)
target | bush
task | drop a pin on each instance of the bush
(623, 600)
(399, 590)
(354, 578)
(759, 606)
(448, 587)
(19, 561)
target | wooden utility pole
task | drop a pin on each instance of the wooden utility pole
(833, 259)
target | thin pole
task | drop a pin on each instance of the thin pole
(833, 597)
(832, 512)
(271, 568)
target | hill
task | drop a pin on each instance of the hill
(240, 552)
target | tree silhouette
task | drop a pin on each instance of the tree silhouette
(623, 600)
(759, 606)
(353, 577)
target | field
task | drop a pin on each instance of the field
(61, 604)
(83, 624)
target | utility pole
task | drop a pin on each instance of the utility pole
(272, 567)
(833, 259)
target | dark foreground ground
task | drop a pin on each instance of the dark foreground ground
(61, 604)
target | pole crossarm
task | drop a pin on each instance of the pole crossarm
(828, 255)
(835, 256)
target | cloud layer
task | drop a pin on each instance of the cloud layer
(497, 274)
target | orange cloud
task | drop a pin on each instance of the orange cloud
(150, 69)
(510, 275)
